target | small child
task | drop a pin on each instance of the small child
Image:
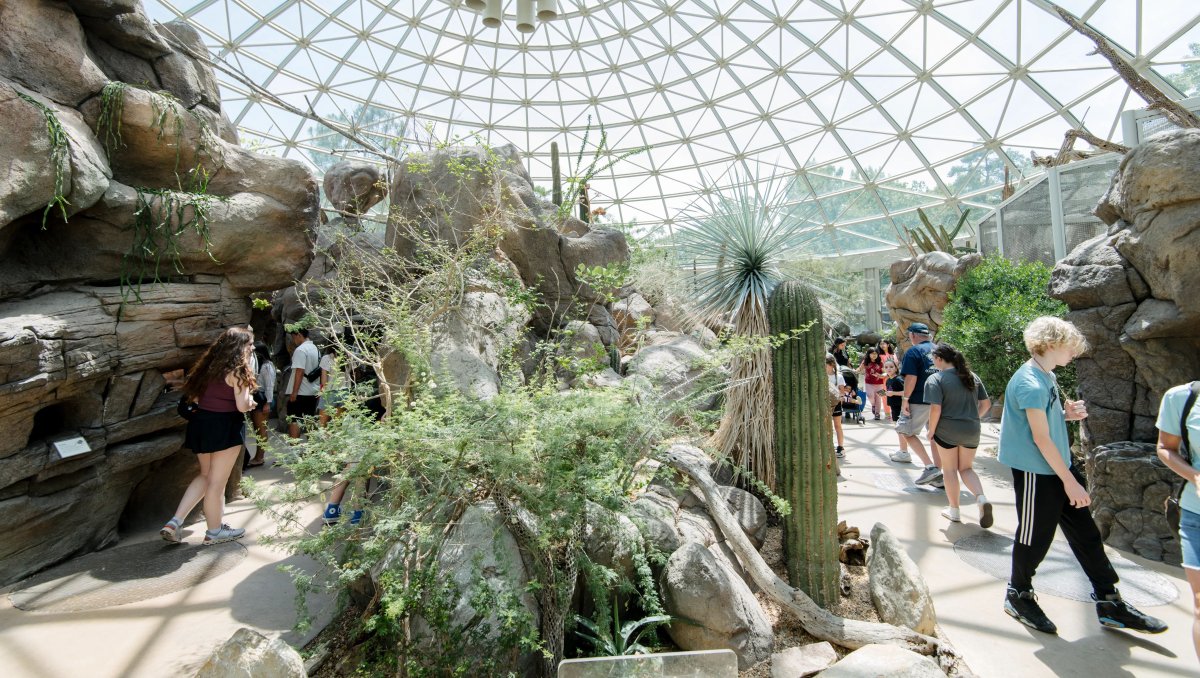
(895, 398)
(1050, 493)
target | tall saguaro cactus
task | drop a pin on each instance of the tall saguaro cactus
(555, 175)
(806, 475)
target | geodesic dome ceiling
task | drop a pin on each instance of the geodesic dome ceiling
(874, 107)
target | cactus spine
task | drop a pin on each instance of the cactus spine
(806, 472)
(555, 175)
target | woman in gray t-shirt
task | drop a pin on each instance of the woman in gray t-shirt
(957, 400)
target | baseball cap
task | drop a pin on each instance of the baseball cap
(918, 328)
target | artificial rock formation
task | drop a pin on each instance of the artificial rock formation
(433, 197)
(80, 354)
(1128, 486)
(920, 288)
(353, 188)
(1132, 292)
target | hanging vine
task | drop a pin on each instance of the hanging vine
(162, 216)
(59, 157)
(168, 123)
(108, 125)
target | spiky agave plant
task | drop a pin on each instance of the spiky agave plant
(732, 244)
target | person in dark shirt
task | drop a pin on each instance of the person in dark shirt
(839, 352)
(914, 412)
(895, 394)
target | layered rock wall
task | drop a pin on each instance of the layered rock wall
(920, 289)
(1132, 291)
(80, 354)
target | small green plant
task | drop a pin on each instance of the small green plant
(59, 157)
(260, 304)
(605, 280)
(935, 238)
(621, 639)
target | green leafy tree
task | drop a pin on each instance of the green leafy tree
(988, 312)
(1187, 80)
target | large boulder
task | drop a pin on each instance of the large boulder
(920, 287)
(191, 81)
(353, 188)
(872, 661)
(43, 48)
(1128, 484)
(469, 342)
(480, 551)
(250, 654)
(900, 594)
(674, 363)
(32, 177)
(450, 194)
(713, 607)
(252, 239)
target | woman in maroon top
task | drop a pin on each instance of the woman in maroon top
(220, 383)
(872, 367)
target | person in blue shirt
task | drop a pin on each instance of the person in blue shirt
(1049, 492)
(1171, 452)
(915, 368)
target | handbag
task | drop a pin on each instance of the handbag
(1171, 507)
(186, 409)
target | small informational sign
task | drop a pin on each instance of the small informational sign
(71, 447)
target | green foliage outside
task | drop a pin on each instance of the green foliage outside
(1188, 77)
(987, 313)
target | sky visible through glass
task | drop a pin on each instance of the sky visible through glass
(871, 108)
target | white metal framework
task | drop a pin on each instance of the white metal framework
(875, 107)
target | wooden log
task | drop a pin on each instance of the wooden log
(818, 622)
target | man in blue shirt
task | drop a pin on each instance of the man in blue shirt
(1050, 493)
(915, 368)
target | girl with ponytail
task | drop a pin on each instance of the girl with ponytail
(957, 400)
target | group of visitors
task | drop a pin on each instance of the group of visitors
(235, 377)
(938, 394)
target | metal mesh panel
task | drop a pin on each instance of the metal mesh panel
(1081, 190)
(1027, 229)
(989, 241)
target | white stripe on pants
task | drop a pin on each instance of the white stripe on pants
(1026, 508)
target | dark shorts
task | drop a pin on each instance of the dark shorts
(214, 431)
(950, 446)
(304, 406)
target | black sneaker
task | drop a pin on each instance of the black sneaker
(1118, 614)
(1023, 606)
(840, 452)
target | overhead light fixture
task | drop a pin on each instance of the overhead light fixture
(526, 11)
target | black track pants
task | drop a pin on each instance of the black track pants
(1042, 505)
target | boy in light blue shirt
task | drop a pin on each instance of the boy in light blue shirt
(1050, 493)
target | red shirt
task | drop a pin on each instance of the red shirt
(874, 373)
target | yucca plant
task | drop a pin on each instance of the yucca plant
(732, 246)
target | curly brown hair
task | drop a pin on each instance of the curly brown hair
(229, 354)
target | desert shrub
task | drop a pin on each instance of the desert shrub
(988, 311)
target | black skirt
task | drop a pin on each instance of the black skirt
(214, 431)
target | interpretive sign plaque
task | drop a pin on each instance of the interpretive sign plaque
(701, 664)
(71, 447)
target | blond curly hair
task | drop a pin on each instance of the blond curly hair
(1047, 333)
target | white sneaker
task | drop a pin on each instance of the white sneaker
(951, 513)
(901, 457)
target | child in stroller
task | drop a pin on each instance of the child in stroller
(854, 400)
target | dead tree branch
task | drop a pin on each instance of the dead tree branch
(1067, 153)
(820, 623)
(1153, 96)
(263, 93)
